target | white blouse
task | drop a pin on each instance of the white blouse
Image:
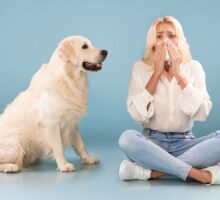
(171, 109)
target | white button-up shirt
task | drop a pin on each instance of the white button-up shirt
(171, 109)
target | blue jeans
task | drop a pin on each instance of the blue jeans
(174, 153)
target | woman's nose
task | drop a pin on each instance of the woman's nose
(165, 40)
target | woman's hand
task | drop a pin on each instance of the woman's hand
(176, 58)
(159, 58)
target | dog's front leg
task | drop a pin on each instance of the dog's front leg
(55, 142)
(79, 147)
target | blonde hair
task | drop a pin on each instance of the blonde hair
(151, 38)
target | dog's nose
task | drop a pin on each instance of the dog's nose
(104, 53)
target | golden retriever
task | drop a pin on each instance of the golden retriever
(43, 120)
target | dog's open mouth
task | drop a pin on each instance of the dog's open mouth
(92, 66)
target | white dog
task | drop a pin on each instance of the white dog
(44, 119)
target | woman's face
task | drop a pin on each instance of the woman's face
(165, 31)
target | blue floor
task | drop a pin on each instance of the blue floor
(99, 182)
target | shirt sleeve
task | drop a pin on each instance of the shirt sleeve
(195, 100)
(139, 101)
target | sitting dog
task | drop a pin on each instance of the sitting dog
(43, 120)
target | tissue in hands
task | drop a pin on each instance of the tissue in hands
(167, 63)
(167, 56)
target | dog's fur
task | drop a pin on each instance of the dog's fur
(44, 119)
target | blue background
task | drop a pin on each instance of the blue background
(30, 31)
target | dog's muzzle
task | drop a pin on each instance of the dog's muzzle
(95, 66)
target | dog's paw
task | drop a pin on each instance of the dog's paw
(9, 168)
(66, 167)
(90, 160)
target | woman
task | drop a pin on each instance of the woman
(167, 92)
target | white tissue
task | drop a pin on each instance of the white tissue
(167, 56)
(165, 41)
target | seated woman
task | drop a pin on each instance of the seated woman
(167, 92)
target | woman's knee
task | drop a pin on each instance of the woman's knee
(127, 138)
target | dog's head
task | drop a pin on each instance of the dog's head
(79, 52)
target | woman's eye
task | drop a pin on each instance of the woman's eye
(172, 36)
(85, 46)
(159, 36)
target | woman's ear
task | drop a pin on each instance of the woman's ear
(67, 52)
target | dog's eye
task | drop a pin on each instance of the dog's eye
(85, 46)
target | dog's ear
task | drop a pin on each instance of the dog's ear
(67, 52)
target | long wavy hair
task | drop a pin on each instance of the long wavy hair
(151, 38)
